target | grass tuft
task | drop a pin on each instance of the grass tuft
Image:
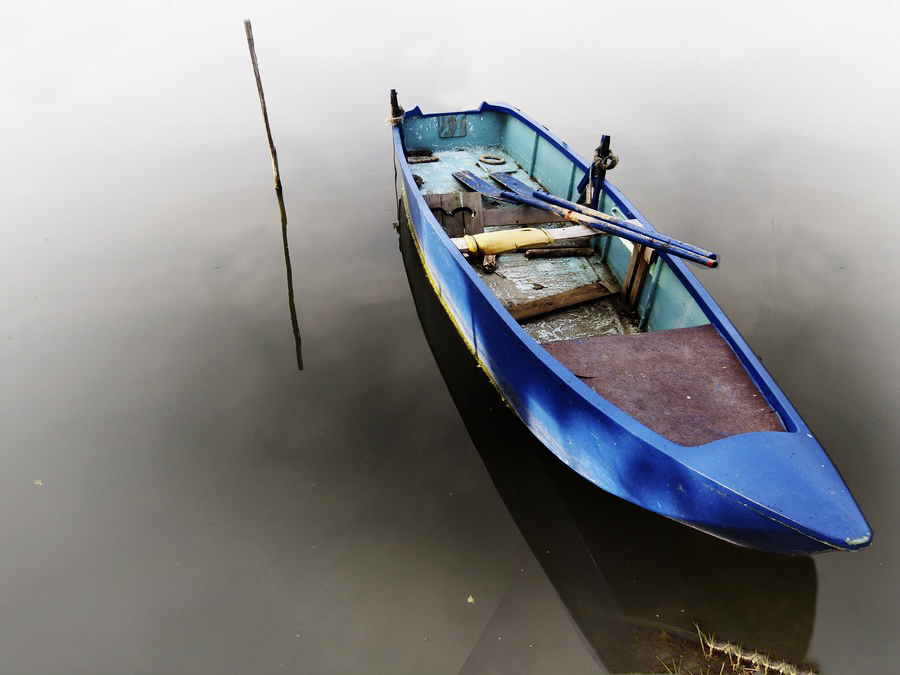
(722, 658)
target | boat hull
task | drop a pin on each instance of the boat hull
(774, 491)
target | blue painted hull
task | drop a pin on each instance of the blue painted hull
(775, 491)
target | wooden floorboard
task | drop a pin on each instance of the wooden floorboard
(686, 384)
(557, 301)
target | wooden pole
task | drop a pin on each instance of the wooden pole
(262, 103)
(290, 279)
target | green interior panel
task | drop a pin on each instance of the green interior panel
(481, 130)
(520, 142)
(673, 306)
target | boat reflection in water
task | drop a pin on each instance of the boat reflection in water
(639, 586)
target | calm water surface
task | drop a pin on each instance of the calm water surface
(178, 497)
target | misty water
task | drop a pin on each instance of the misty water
(178, 496)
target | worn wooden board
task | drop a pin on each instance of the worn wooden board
(559, 252)
(518, 280)
(557, 301)
(638, 267)
(518, 215)
(458, 213)
(560, 234)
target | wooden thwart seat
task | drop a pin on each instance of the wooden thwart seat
(686, 384)
(459, 213)
(552, 303)
(463, 213)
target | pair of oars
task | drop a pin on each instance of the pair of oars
(633, 231)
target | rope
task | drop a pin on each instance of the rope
(492, 159)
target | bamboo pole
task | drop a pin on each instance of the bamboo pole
(262, 103)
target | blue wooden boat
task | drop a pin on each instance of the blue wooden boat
(601, 339)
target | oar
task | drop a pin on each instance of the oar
(469, 179)
(521, 188)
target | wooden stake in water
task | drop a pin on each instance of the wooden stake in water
(262, 102)
(284, 235)
(290, 279)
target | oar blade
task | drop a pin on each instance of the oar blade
(472, 181)
(514, 184)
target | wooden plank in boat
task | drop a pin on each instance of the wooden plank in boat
(558, 252)
(459, 213)
(552, 303)
(518, 215)
(559, 234)
(462, 213)
(638, 267)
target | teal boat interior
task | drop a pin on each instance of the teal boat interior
(614, 313)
